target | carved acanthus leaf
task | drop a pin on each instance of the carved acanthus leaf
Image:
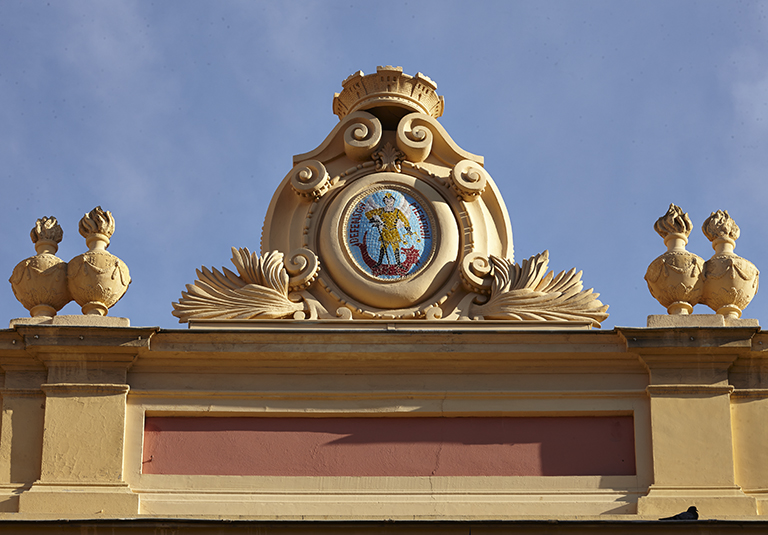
(260, 290)
(389, 158)
(528, 293)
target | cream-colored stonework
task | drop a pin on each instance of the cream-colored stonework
(90, 320)
(388, 87)
(76, 398)
(678, 279)
(386, 287)
(388, 219)
(97, 279)
(730, 282)
(40, 282)
(674, 278)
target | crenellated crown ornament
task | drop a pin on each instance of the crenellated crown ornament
(674, 278)
(388, 87)
(730, 281)
(40, 282)
(97, 279)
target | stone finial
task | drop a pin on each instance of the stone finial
(97, 279)
(730, 281)
(40, 282)
(674, 278)
(46, 235)
(721, 226)
(97, 227)
(674, 224)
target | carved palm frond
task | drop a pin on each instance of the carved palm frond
(259, 291)
(528, 292)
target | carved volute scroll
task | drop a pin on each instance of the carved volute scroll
(361, 136)
(415, 138)
(388, 218)
(468, 180)
(310, 180)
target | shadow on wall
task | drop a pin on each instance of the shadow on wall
(393, 446)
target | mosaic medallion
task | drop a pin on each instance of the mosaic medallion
(389, 233)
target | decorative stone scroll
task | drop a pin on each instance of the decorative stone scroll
(260, 289)
(388, 219)
(529, 292)
(468, 180)
(310, 179)
(266, 287)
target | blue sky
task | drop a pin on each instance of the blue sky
(181, 118)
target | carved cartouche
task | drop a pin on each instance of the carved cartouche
(730, 281)
(97, 279)
(40, 282)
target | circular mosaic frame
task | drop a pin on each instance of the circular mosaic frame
(388, 231)
(349, 276)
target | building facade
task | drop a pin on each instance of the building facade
(384, 365)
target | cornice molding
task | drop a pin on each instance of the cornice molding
(689, 390)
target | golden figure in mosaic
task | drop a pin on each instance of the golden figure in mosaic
(385, 220)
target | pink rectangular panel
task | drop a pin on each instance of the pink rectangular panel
(397, 446)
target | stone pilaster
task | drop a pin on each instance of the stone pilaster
(693, 452)
(85, 388)
(749, 413)
(21, 428)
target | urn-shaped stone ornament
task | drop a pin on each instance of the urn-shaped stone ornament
(40, 282)
(730, 281)
(674, 278)
(97, 279)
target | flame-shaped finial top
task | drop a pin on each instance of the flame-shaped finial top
(47, 229)
(720, 225)
(674, 222)
(97, 226)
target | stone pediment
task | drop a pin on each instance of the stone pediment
(388, 219)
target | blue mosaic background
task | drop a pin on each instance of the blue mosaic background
(389, 240)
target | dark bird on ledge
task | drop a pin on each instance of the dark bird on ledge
(691, 514)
